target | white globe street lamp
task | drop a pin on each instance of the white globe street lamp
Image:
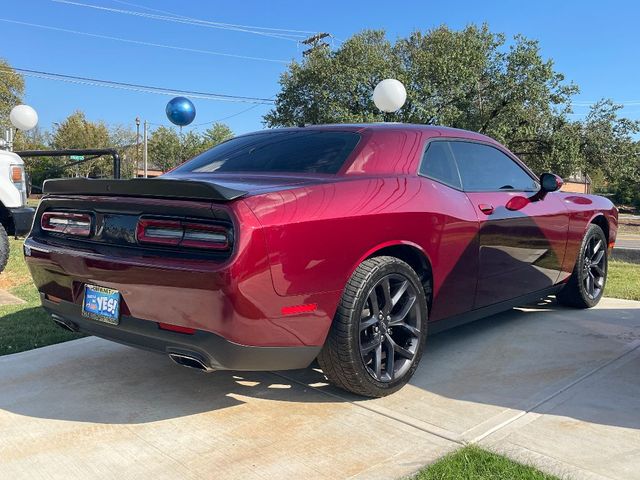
(389, 95)
(23, 117)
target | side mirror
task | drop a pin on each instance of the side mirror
(550, 182)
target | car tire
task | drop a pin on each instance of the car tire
(586, 284)
(378, 334)
(4, 248)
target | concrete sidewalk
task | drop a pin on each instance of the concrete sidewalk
(628, 241)
(556, 387)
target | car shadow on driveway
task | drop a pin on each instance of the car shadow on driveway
(514, 360)
(521, 360)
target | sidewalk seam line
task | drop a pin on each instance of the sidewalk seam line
(382, 414)
(572, 384)
(561, 461)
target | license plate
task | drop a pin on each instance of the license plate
(101, 304)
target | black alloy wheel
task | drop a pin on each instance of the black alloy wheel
(585, 286)
(390, 328)
(594, 267)
(378, 334)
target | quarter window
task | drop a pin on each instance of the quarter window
(485, 168)
(438, 163)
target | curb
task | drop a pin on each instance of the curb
(631, 255)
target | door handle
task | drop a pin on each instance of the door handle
(486, 208)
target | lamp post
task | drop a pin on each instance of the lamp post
(137, 144)
(22, 117)
(145, 152)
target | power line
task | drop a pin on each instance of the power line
(304, 37)
(138, 87)
(306, 32)
(294, 37)
(229, 116)
(589, 104)
(196, 125)
(139, 42)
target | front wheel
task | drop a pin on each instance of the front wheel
(4, 248)
(586, 284)
(378, 334)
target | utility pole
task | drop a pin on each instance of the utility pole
(7, 143)
(145, 152)
(137, 145)
(315, 42)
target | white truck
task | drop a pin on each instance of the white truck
(15, 217)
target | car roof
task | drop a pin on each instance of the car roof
(432, 130)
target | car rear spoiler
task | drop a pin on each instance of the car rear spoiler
(143, 187)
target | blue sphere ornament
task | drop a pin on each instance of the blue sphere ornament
(181, 111)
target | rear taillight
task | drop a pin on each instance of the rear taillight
(163, 232)
(183, 233)
(198, 235)
(78, 224)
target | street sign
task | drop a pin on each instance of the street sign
(76, 157)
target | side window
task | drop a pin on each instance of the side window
(485, 168)
(438, 163)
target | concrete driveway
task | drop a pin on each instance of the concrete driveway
(556, 387)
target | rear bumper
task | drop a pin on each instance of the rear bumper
(22, 219)
(214, 351)
(234, 300)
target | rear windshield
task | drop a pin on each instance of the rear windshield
(294, 152)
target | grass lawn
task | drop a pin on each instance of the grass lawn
(25, 326)
(473, 463)
(623, 281)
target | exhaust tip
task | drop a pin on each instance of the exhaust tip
(189, 361)
(66, 324)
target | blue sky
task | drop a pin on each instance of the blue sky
(594, 44)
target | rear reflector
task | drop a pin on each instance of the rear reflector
(183, 234)
(78, 224)
(176, 328)
(295, 309)
(53, 299)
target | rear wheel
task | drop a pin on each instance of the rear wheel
(4, 248)
(378, 334)
(586, 284)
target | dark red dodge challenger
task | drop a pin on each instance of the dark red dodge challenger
(343, 243)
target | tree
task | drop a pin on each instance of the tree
(74, 132)
(335, 86)
(123, 139)
(215, 134)
(164, 148)
(36, 139)
(78, 132)
(608, 149)
(191, 144)
(465, 79)
(169, 148)
(11, 90)
(607, 140)
(472, 79)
